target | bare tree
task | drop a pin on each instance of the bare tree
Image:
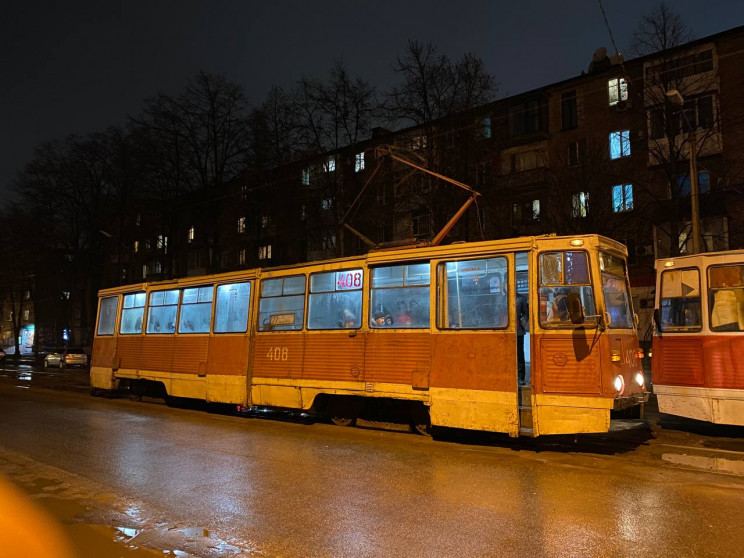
(660, 30)
(674, 74)
(432, 86)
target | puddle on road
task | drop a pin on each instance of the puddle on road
(706, 463)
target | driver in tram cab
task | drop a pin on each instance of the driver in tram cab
(558, 307)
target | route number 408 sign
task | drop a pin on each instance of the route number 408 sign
(346, 280)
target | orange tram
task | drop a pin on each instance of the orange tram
(524, 336)
(699, 337)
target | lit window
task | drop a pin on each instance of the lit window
(617, 90)
(526, 212)
(191, 234)
(580, 204)
(326, 203)
(486, 127)
(306, 177)
(265, 221)
(619, 144)
(331, 164)
(359, 162)
(683, 183)
(241, 257)
(264, 252)
(162, 243)
(136, 246)
(66, 295)
(622, 198)
(25, 315)
(241, 225)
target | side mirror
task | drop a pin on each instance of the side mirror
(575, 309)
(636, 319)
(657, 320)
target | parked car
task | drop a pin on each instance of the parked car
(66, 357)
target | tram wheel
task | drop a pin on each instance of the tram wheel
(343, 420)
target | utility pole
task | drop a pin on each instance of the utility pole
(676, 98)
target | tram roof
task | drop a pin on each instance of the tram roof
(379, 256)
(725, 256)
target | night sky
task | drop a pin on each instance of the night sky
(80, 66)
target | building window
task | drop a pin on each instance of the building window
(421, 223)
(264, 252)
(359, 162)
(330, 165)
(569, 117)
(527, 160)
(194, 259)
(241, 257)
(486, 127)
(326, 204)
(619, 144)
(162, 243)
(417, 142)
(698, 113)
(265, 221)
(683, 183)
(575, 153)
(138, 220)
(191, 233)
(306, 177)
(525, 118)
(617, 90)
(303, 212)
(525, 213)
(622, 198)
(136, 246)
(241, 225)
(580, 204)
(685, 66)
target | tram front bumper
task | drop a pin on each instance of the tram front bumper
(630, 401)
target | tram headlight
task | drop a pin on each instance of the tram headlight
(640, 380)
(619, 384)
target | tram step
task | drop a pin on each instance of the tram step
(525, 396)
(526, 431)
(525, 416)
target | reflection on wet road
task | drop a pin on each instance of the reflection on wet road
(216, 485)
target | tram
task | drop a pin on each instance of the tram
(697, 371)
(430, 331)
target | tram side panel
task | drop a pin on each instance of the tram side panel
(474, 381)
(226, 367)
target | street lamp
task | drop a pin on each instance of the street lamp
(676, 98)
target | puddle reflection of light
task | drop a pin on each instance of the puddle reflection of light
(25, 376)
(718, 464)
(128, 532)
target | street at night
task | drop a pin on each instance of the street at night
(140, 478)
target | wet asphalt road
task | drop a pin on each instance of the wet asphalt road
(207, 484)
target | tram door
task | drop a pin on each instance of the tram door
(522, 324)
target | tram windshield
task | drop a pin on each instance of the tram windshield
(615, 291)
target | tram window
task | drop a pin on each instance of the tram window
(196, 310)
(726, 297)
(231, 309)
(680, 300)
(107, 315)
(335, 300)
(563, 273)
(282, 304)
(132, 312)
(615, 291)
(400, 296)
(161, 314)
(476, 294)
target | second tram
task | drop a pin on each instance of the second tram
(697, 366)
